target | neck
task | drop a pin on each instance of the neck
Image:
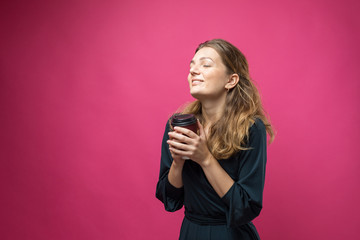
(212, 110)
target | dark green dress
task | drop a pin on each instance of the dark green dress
(207, 216)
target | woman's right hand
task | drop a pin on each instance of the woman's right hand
(178, 159)
(175, 172)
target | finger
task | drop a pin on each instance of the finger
(178, 145)
(179, 152)
(185, 131)
(176, 136)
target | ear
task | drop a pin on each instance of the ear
(233, 80)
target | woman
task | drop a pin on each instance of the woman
(221, 186)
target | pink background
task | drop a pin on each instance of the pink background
(87, 86)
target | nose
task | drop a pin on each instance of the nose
(194, 70)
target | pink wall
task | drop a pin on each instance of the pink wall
(87, 86)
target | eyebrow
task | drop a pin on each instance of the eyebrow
(192, 61)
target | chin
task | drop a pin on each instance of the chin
(200, 95)
(197, 95)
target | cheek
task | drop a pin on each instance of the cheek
(216, 78)
(218, 83)
(189, 79)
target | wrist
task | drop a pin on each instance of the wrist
(178, 163)
(209, 160)
(175, 174)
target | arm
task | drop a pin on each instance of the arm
(217, 176)
(186, 143)
(243, 197)
(175, 174)
(169, 188)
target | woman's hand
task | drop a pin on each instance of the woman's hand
(178, 159)
(185, 143)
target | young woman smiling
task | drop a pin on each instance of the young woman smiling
(221, 184)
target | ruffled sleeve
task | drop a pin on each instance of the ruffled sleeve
(244, 199)
(172, 197)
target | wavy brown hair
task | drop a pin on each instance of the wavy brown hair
(243, 105)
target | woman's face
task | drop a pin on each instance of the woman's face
(208, 75)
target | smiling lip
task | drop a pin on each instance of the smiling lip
(196, 81)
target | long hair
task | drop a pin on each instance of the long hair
(243, 105)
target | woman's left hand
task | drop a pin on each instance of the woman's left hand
(185, 142)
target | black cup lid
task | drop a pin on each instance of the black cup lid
(183, 119)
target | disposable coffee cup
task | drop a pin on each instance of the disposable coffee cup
(188, 121)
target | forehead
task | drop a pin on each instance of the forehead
(207, 52)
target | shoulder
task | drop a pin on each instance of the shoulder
(166, 131)
(258, 127)
(167, 125)
(257, 133)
